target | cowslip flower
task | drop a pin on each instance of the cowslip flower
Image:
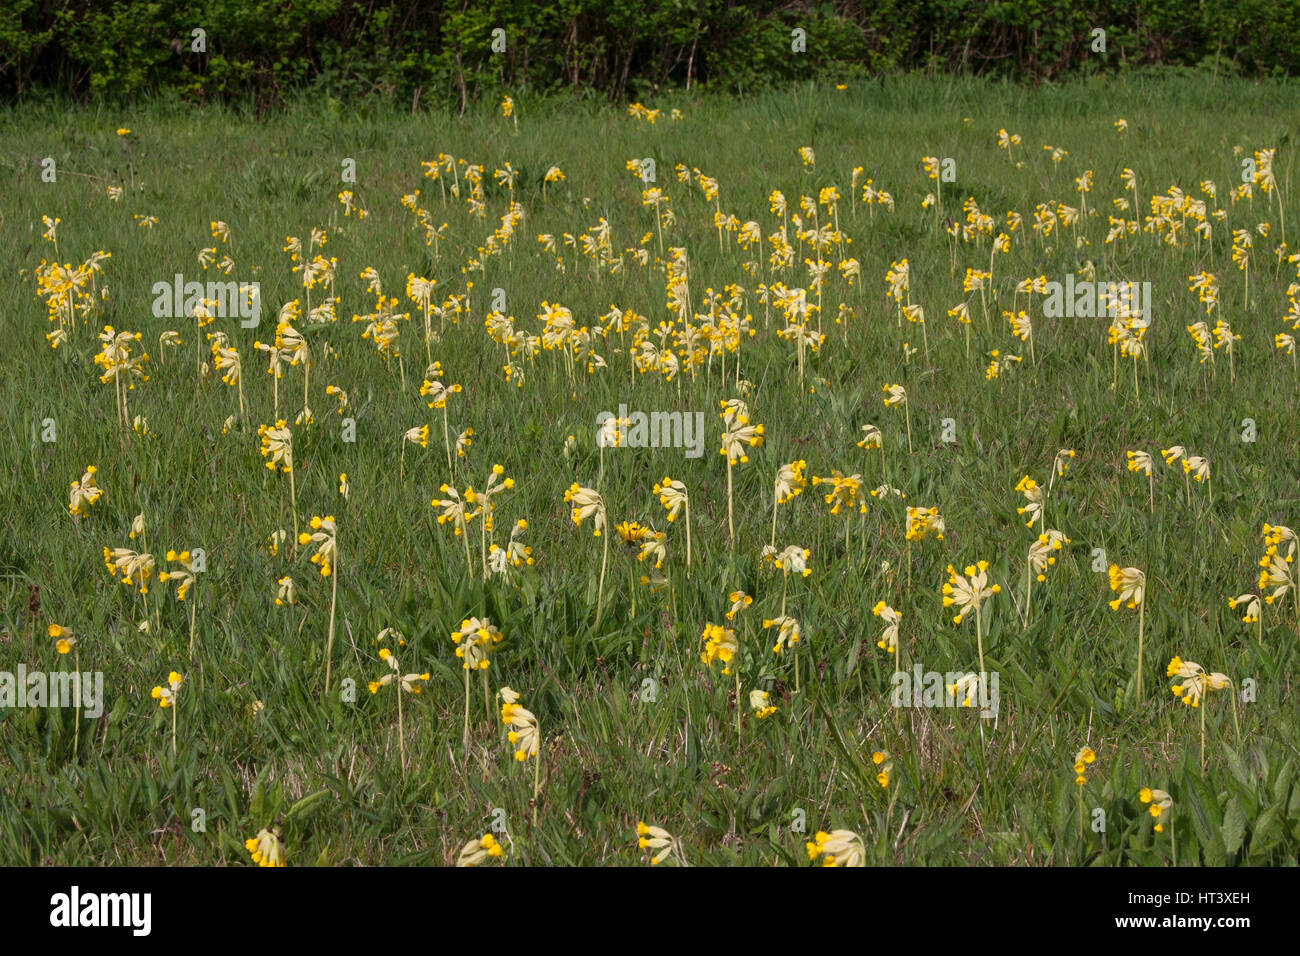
(184, 576)
(324, 534)
(1160, 805)
(789, 484)
(84, 493)
(1042, 555)
(1081, 761)
(737, 433)
(1193, 681)
(792, 559)
(837, 848)
(167, 697)
(63, 637)
(760, 702)
(587, 503)
(650, 837)
(1252, 606)
(885, 767)
(515, 554)
(965, 688)
(787, 633)
(483, 636)
(1033, 500)
(522, 723)
(719, 645)
(412, 683)
(476, 851)
(1130, 584)
(896, 395)
(1141, 463)
(523, 735)
(675, 499)
(889, 637)
(266, 849)
(739, 601)
(921, 522)
(132, 567)
(968, 592)
(475, 640)
(286, 595)
(1192, 684)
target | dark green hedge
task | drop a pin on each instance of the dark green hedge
(621, 49)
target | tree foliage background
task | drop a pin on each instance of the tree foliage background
(439, 53)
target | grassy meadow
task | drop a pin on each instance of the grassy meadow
(639, 688)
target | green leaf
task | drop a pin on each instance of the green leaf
(1234, 827)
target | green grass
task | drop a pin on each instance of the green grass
(327, 771)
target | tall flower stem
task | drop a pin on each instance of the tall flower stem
(77, 712)
(731, 527)
(329, 643)
(737, 705)
(1142, 609)
(293, 506)
(401, 735)
(688, 536)
(465, 736)
(600, 589)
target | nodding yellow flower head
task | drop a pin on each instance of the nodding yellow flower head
(673, 496)
(760, 702)
(1252, 606)
(266, 849)
(475, 641)
(719, 645)
(1130, 583)
(64, 639)
(921, 522)
(837, 848)
(889, 637)
(968, 591)
(166, 696)
(476, 851)
(787, 634)
(737, 432)
(791, 559)
(1081, 761)
(1042, 553)
(587, 503)
(651, 837)
(1193, 681)
(132, 567)
(277, 446)
(739, 601)
(886, 766)
(523, 732)
(1160, 805)
(84, 493)
(323, 535)
(1139, 461)
(790, 481)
